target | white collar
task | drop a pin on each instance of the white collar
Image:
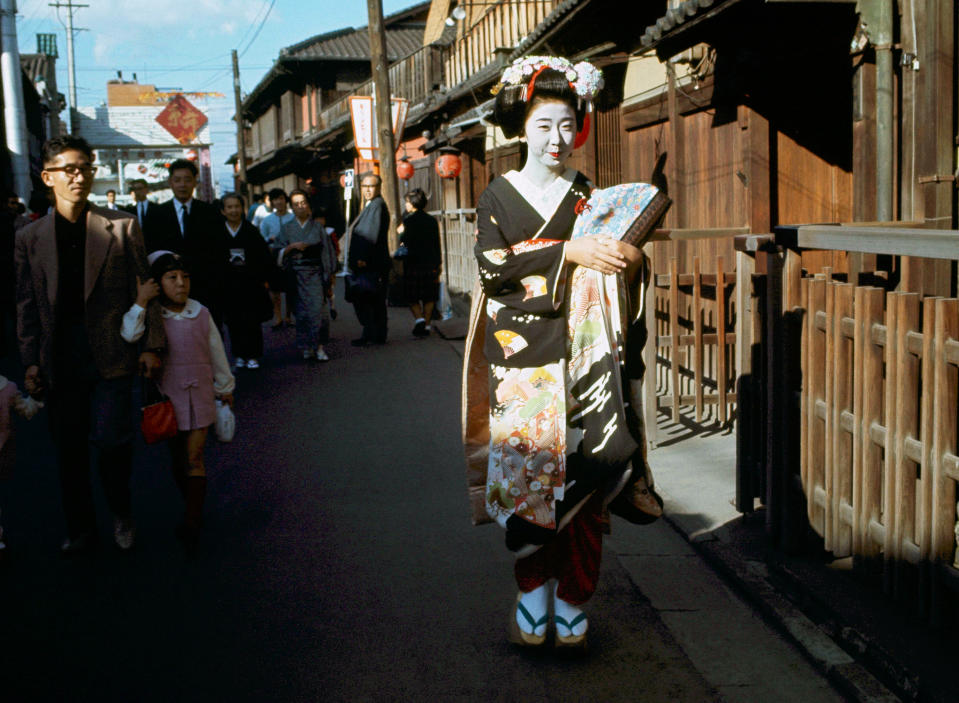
(186, 205)
(544, 200)
(189, 311)
(232, 231)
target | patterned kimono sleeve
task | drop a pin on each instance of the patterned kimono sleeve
(527, 276)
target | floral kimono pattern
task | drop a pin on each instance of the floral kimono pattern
(561, 425)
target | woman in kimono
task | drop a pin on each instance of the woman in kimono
(563, 439)
(308, 257)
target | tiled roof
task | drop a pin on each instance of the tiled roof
(403, 37)
(675, 18)
(354, 45)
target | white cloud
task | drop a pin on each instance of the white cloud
(130, 32)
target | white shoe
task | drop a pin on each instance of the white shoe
(123, 533)
(239, 363)
(321, 355)
(253, 364)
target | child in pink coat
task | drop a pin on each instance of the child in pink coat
(195, 374)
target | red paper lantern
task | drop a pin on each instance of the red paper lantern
(449, 165)
(191, 155)
(404, 169)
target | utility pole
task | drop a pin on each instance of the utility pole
(14, 112)
(71, 66)
(384, 114)
(240, 131)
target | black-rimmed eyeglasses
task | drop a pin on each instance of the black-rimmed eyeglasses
(73, 170)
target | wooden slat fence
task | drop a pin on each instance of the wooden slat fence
(689, 334)
(457, 228)
(693, 321)
(879, 461)
(877, 385)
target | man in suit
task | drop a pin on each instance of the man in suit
(194, 230)
(112, 200)
(78, 269)
(140, 205)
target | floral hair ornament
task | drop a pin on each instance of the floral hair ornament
(585, 79)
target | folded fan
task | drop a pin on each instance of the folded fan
(628, 212)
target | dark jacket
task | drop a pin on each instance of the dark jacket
(421, 235)
(368, 239)
(206, 247)
(251, 265)
(114, 258)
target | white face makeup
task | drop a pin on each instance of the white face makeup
(550, 132)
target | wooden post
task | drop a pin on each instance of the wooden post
(384, 115)
(677, 152)
(698, 338)
(829, 534)
(721, 339)
(890, 550)
(756, 135)
(815, 384)
(867, 455)
(674, 333)
(650, 356)
(841, 408)
(944, 444)
(926, 412)
(240, 131)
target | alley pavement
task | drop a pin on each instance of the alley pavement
(338, 563)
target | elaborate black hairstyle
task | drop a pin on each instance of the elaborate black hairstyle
(512, 105)
(164, 263)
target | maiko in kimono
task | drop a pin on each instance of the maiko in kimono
(552, 424)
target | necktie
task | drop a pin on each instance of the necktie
(140, 208)
(185, 213)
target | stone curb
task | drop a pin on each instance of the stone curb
(749, 578)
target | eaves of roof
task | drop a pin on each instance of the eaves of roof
(687, 15)
(348, 44)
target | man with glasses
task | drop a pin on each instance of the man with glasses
(369, 261)
(77, 272)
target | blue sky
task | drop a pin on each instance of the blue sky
(185, 44)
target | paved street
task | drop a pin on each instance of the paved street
(338, 563)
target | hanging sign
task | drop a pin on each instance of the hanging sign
(363, 117)
(181, 119)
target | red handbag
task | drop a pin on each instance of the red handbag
(159, 420)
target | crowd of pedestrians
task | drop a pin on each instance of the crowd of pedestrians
(103, 295)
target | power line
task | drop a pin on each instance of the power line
(256, 18)
(258, 29)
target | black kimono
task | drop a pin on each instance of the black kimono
(247, 303)
(558, 431)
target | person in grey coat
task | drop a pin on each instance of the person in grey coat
(309, 260)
